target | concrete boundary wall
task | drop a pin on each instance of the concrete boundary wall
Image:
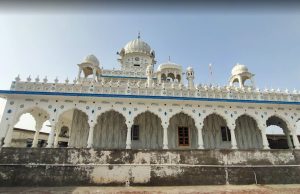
(68, 166)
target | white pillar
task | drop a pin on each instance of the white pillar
(233, 138)
(94, 74)
(240, 81)
(38, 127)
(159, 78)
(264, 139)
(288, 137)
(8, 137)
(128, 137)
(69, 139)
(295, 137)
(51, 135)
(165, 135)
(200, 137)
(58, 128)
(191, 83)
(91, 135)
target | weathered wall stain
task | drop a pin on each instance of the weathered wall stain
(73, 166)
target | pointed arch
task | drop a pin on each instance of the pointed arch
(104, 111)
(29, 120)
(216, 133)
(171, 75)
(182, 126)
(183, 112)
(148, 131)
(79, 127)
(147, 111)
(70, 109)
(278, 120)
(249, 114)
(156, 113)
(248, 135)
(220, 114)
(110, 130)
(35, 111)
(277, 141)
(163, 77)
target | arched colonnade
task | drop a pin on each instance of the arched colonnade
(111, 129)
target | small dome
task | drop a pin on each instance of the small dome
(92, 59)
(189, 69)
(169, 65)
(137, 46)
(238, 69)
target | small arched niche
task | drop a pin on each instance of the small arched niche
(178, 77)
(171, 75)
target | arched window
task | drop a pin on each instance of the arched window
(171, 75)
(163, 77)
(178, 77)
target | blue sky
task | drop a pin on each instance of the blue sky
(52, 44)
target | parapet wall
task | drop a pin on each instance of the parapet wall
(68, 166)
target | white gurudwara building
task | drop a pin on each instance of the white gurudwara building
(139, 106)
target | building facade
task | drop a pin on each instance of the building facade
(24, 138)
(141, 107)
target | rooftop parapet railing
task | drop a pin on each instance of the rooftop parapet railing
(133, 87)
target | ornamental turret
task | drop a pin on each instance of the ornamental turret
(190, 77)
(169, 72)
(240, 74)
(90, 69)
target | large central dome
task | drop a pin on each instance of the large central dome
(137, 46)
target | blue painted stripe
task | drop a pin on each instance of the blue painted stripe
(10, 92)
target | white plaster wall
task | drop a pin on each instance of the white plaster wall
(79, 130)
(151, 132)
(212, 137)
(248, 135)
(110, 131)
